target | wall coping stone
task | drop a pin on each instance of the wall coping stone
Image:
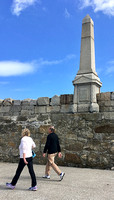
(17, 102)
(112, 96)
(105, 96)
(42, 101)
(55, 100)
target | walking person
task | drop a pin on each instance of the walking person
(52, 147)
(25, 148)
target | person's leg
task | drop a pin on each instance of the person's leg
(18, 172)
(48, 168)
(31, 171)
(51, 158)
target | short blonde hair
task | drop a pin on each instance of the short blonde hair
(25, 132)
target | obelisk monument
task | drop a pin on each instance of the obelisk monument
(86, 83)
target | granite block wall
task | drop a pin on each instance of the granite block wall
(86, 139)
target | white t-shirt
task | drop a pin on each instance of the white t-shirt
(26, 146)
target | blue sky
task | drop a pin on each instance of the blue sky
(40, 45)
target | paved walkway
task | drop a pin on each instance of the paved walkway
(78, 184)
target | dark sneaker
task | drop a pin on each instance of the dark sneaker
(9, 185)
(33, 188)
(61, 176)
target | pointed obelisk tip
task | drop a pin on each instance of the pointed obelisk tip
(87, 19)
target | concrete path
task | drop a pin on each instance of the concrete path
(78, 184)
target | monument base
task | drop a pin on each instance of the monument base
(74, 108)
(83, 107)
(86, 107)
(94, 107)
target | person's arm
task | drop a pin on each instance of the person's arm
(33, 144)
(44, 155)
(46, 146)
(24, 151)
(24, 158)
(58, 145)
(60, 155)
(59, 148)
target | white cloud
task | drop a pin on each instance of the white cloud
(42, 62)
(19, 5)
(106, 6)
(14, 68)
(67, 14)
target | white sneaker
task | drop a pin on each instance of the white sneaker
(62, 175)
(33, 188)
(46, 176)
(9, 185)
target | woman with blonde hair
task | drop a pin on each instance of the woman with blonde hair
(25, 148)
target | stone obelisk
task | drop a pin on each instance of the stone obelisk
(86, 83)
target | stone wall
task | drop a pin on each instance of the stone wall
(28, 107)
(106, 101)
(86, 138)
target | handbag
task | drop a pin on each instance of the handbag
(33, 154)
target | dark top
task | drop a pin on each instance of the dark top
(52, 144)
